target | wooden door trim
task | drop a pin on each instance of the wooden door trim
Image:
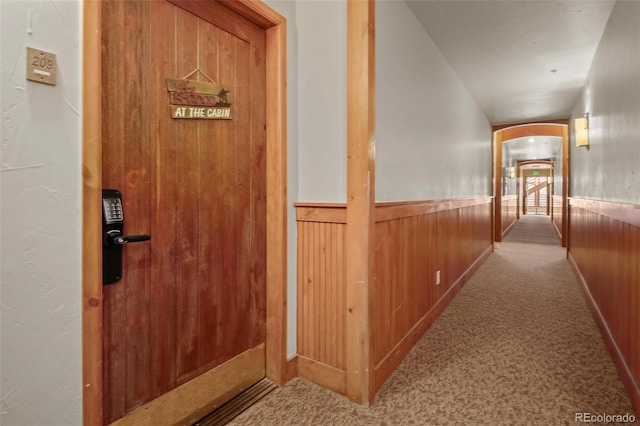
(91, 214)
(276, 321)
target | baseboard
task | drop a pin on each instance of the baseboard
(389, 363)
(624, 372)
(292, 369)
(555, 226)
(474, 267)
(322, 374)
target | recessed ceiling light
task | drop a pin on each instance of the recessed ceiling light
(553, 71)
(532, 140)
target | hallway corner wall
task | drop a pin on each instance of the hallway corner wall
(604, 214)
(40, 180)
(433, 153)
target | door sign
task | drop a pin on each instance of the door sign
(199, 100)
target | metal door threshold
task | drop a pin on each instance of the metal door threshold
(229, 410)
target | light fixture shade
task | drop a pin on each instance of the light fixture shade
(581, 128)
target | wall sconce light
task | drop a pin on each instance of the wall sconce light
(511, 172)
(581, 128)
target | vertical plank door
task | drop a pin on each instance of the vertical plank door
(193, 298)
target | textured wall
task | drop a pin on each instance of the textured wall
(610, 169)
(432, 139)
(41, 218)
(322, 100)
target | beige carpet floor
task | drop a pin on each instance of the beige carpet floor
(517, 346)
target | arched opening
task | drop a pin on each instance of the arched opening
(518, 148)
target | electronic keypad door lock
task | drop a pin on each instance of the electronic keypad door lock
(113, 237)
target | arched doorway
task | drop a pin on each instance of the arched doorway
(506, 174)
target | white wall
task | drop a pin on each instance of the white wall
(322, 100)
(316, 117)
(41, 354)
(610, 169)
(432, 139)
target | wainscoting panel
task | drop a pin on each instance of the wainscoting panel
(422, 238)
(509, 212)
(604, 249)
(321, 291)
(413, 241)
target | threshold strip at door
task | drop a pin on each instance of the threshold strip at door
(227, 411)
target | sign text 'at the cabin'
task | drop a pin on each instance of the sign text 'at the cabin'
(199, 100)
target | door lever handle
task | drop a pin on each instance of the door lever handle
(113, 238)
(125, 239)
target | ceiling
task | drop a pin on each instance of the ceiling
(534, 148)
(521, 60)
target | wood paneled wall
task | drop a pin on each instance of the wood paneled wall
(322, 294)
(413, 241)
(604, 249)
(556, 215)
(509, 207)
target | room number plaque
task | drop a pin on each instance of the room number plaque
(41, 66)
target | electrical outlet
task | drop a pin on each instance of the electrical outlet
(438, 277)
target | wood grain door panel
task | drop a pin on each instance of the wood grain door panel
(194, 296)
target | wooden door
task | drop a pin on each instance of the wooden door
(193, 298)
